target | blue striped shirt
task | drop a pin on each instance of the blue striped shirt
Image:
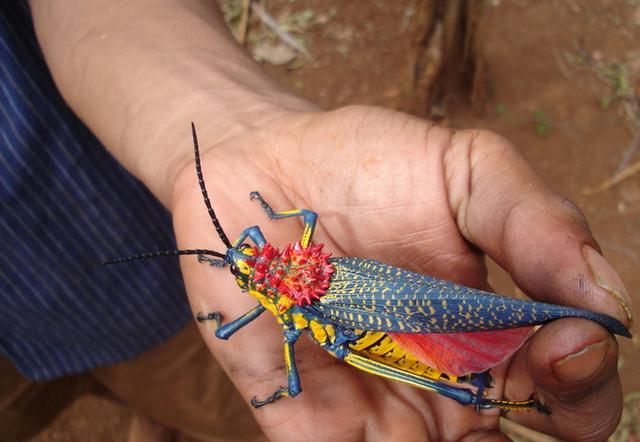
(65, 205)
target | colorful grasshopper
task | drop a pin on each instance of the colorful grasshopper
(404, 326)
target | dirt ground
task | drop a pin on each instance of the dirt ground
(562, 83)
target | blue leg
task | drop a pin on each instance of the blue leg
(308, 216)
(463, 396)
(293, 379)
(481, 381)
(254, 233)
(225, 331)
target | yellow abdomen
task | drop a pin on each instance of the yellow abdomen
(379, 347)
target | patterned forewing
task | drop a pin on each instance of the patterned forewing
(366, 294)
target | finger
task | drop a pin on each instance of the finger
(572, 369)
(540, 238)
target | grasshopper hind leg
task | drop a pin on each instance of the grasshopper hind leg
(309, 217)
(463, 396)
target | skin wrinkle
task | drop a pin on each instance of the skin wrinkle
(427, 414)
(475, 135)
(373, 422)
(447, 149)
(371, 417)
(241, 370)
(448, 259)
(277, 168)
(496, 146)
(414, 238)
(601, 426)
(458, 208)
(574, 212)
(475, 187)
(594, 428)
(305, 151)
(440, 265)
(411, 405)
(360, 124)
(372, 209)
(503, 234)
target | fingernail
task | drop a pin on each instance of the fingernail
(608, 279)
(582, 364)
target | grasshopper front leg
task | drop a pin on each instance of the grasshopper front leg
(293, 379)
(226, 330)
(309, 217)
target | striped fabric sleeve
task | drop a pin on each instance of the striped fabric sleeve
(66, 205)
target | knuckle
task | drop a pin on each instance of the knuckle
(487, 142)
(571, 211)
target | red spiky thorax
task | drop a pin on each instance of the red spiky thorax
(301, 274)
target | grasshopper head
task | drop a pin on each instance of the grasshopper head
(240, 259)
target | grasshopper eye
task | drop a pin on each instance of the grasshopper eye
(245, 248)
(234, 269)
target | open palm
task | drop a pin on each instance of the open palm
(395, 188)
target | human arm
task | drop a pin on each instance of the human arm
(138, 72)
(386, 185)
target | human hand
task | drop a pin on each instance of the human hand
(395, 188)
(385, 185)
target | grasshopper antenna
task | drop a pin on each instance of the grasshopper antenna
(166, 253)
(203, 189)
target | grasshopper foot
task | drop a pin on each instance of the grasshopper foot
(280, 392)
(265, 206)
(211, 316)
(481, 381)
(211, 261)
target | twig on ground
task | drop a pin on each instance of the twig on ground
(277, 29)
(625, 251)
(524, 433)
(243, 24)
(562, 66)
(619, 175)
(628, 153)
